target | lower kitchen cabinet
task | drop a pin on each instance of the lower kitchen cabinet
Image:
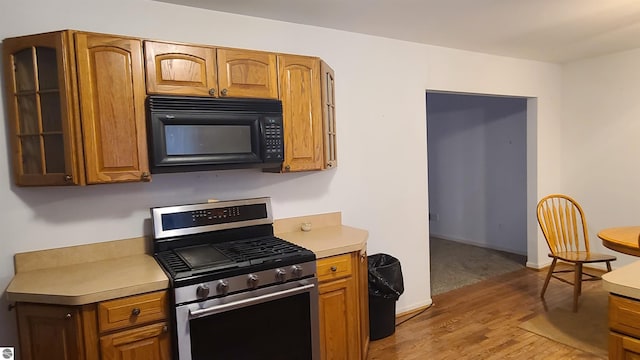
(341, 311)
(134, 327)
(54, 332)
(624, 323)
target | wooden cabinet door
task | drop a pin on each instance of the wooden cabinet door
(49, 332)
(363, 301)
(302, 112)
(247, 74)
(112, 108)
(338, 320)
(38, 89)
(329, 116)
(623, 347)
(175, 69)
(145, 342)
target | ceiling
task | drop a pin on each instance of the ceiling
(546, 30)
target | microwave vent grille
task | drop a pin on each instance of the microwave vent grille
(196, 104)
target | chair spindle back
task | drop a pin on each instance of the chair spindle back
(563, 224)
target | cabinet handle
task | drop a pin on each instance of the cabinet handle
(224, 92)
(146, 176)
(68, 316)
(212, 92)
(68, 178)
(165, 329)
(135, 312)
(334, 268)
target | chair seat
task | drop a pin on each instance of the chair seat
(582, 256)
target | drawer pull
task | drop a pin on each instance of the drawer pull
(334, 268)
(68, 316)
(135, 312)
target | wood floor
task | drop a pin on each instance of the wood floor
(480, 321)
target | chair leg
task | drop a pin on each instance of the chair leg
(546, 281)
(577, 286)
(608, 266)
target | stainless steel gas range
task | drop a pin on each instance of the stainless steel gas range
(239, 292)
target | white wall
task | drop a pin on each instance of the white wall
(379, 185)
(601, 146)
(478, 170)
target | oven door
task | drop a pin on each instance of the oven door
(276, 322)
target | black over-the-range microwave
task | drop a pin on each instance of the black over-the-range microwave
(195, 134)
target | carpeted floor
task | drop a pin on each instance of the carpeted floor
(454, 264)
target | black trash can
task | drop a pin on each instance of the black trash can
(385, 287)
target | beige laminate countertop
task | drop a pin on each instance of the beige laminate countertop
(329, 240)
(624, 281)
(85, 274)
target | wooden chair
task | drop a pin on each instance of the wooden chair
(564, 227)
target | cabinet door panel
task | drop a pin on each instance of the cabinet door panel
(38, 80)
(112, 94)
(329, 116)
(180, 69)
(146, 342)
(338, 320)
(302, 112)
(49, 332)
(246, 73)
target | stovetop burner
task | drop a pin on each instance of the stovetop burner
(240, 255)
(206, 242)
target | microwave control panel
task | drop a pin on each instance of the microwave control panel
(273, 140)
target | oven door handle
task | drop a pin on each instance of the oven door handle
(246, 302)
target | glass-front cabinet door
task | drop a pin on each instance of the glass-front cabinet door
(40, 121)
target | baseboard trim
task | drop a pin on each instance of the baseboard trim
(413, 311)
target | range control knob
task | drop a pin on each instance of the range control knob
(252, 281)
(222, 287)
(281, 275)
(296, 271)
(202, 291)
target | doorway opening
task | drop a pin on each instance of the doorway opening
(478, 189)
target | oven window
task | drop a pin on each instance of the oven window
(207, 139)
(278, 330)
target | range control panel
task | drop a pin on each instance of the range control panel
(198, 218)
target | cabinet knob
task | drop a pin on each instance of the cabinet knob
(287, 167)
(334, 268)
(224, 92)
(68, 178)
(135, 312)
(68, 316)
(165, 329)
(212, 92)
(145, 176)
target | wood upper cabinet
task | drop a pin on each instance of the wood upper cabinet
(339, 308)
(40, 109)
(176, 69)
(112, 108)
(329, 116)
(76, 125)
(247, 73)
(302, 112)
(308, 105)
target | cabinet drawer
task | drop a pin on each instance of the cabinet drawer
(334, 267)
(133, 310)
(624, 315)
